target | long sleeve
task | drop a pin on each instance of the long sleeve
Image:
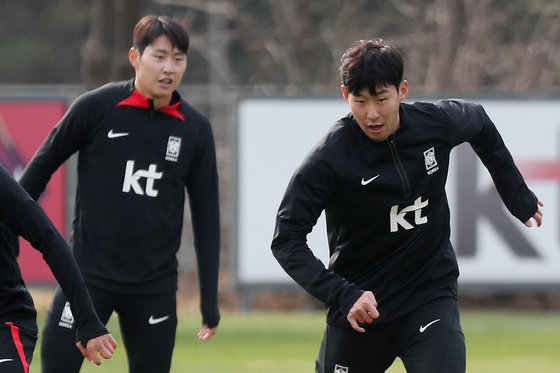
(202, 188)
(26, 218)
(474, 125)
(67, 137)
(306, 196)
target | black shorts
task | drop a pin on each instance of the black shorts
(16, 348)
(148, 325)
(428, 340)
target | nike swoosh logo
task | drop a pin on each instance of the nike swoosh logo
(153, 320)
(114, 135)
(5, 360)
(366, 182)
(423, 328)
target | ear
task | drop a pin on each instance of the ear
(133, 57)
(403, 90)
(344, 92)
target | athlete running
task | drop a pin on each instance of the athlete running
(379, 174)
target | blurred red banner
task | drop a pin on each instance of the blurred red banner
(24, 124)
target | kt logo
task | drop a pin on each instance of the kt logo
(132, 179)
(397, 217)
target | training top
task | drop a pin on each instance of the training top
(386, 209)
(134, 165)
(21, 215)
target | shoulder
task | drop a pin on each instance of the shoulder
(442, 105)
(191, 113)
(196, 125)
(339, 135)
(456, 105)
(442, 111)
(332, 148)
(107, 95)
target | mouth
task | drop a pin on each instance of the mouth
(375, 127)
(166, 82)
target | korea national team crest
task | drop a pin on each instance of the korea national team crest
(66, 319)
(173, 148)
(430, 161)
(340, 369)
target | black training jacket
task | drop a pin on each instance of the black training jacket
(21, 215)
(386, 209)
(134, 166)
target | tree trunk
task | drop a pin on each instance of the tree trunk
(448, 21)
(127, 14)
(104, 55)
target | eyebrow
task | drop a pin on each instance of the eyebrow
(383, 90)
(173, 53)
(376, 93)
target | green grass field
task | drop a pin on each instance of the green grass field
(272, 342)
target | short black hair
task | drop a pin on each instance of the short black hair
(370, 63)
(151, 27)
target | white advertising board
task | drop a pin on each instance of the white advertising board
(492, 247)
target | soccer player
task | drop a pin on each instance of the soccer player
(141, 146)
(21, 215)
(379, 174)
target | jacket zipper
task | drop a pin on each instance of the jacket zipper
(399, 166)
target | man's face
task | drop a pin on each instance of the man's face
(378, 114)
(159, 69)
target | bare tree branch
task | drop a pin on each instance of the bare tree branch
(448, 19)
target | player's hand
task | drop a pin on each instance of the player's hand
(363, 311)
(538, 217)
(103, 346)
(205, 332)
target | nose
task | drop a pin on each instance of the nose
(372, 112)
(168, 65)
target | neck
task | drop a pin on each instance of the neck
(158, 102)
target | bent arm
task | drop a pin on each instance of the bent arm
(26, 218)
(305, 198)
(472, 124)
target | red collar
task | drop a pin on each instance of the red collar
(139, 100)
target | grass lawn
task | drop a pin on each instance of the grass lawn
(271, 342)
